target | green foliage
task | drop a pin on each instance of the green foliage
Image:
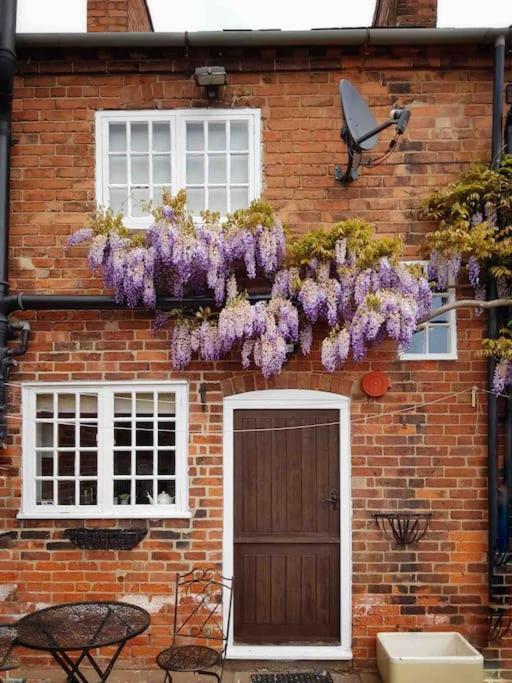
(467, 211)
(475, 223)
(501, 347)
(361, 241)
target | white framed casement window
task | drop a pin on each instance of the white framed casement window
(105, 450)
(212, 153)
(437, 340)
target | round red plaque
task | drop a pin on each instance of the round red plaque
(375, 384)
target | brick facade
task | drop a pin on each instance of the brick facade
(405, 13)
(118, 15)
(432, 459)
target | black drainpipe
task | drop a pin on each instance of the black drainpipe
(492, 322)
(7, 70)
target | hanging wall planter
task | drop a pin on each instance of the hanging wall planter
(105, 539)
(404, 528)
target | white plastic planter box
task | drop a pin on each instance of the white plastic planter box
(428, 657)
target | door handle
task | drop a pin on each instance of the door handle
(331, 498)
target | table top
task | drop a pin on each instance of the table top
(81, 625)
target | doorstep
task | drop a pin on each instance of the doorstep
(53, 675)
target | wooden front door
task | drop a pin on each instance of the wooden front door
(286, 527)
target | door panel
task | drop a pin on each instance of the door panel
(287, 541)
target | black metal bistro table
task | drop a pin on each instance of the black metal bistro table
(82, 627)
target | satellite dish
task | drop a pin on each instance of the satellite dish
(361, 132)
(357, 115)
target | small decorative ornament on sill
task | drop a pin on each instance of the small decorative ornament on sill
(163, 498)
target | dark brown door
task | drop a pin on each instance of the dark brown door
(286, 524)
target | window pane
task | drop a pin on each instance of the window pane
(438, 301)
(139, 196)
(66, 435)
(144, 462)
(117, 137)
(143, 491)
(195, 169)
(44, 405)
(195, 199)
(44, 464)
(140, 139)
(144, 434)
(240, 168)
(140, 170)
(123, 434)
(88, 464)
(438, 339)
(44, 435)
(66, 492)
(217, 168)
(44, 493)
(217, 136)
(158, 194)
(166, 463)
(161, 137)
(166, 434)
(217, 200)
(239, 198)
(162, 169)
(239, 135)
(66, 464)
(118, 200)
(122, 405)
(144, 404)
(122, 462)
(166, 404)
(88, 435)
(88, 493)
(195, 137)
(169, 488)
(88, 406)
(117, 170)
(417, 344)
(66, 406)
(122, 490)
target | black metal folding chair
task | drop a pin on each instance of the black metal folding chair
(199, 598)
(8, 635)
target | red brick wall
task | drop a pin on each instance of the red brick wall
(118, 15)
(411, 13)
(433, 459)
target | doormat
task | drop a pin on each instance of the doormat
(299, 677)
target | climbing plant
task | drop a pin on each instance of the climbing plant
(474, 237)
(344, 279)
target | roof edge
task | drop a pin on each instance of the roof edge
(264, 38)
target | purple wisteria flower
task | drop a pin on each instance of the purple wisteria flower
(82, 235)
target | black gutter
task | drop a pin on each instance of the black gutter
(492, 321)
(77, 302)
(335, 36)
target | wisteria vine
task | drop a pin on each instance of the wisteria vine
(474, 237)
(343, 279)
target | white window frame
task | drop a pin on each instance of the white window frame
(105, 509)
(178, 119)
(451, 354)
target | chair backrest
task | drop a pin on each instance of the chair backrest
(198, 606)
(8, 635)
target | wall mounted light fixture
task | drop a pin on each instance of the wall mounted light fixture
(211, 77)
